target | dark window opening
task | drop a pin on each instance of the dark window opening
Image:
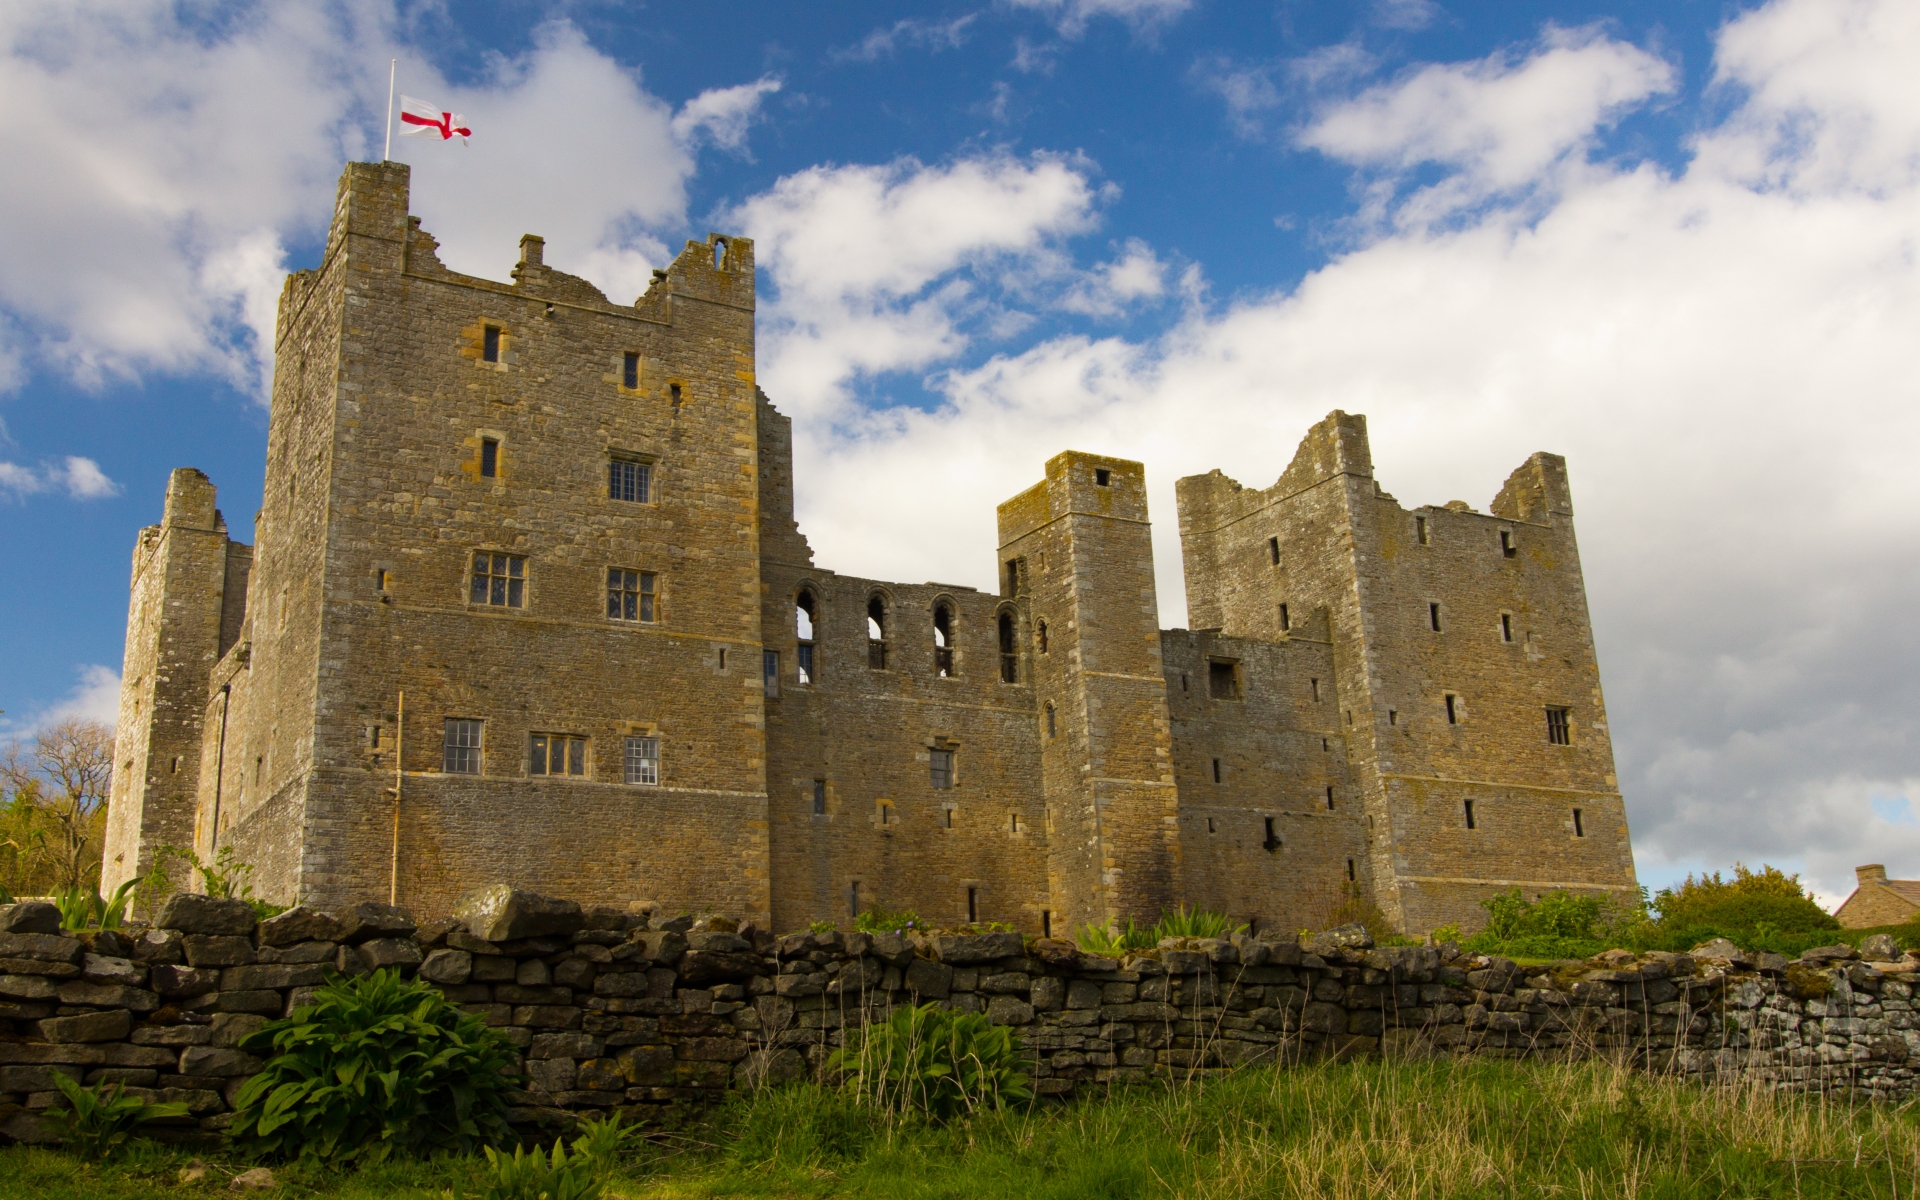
(490, 344)
(1286, 622)
(630, 479)
(1314, 686)
(940, 768)
(1013, 576)
(1101, 476)
(1469, 806)
(1420, 530)
(1453, 713)
(1183, 681)
(853, 898)
(1506, 627)
(1009, 657)
(1559, 728)
(1050, 725)
(460, 749)
(173, 768)
(1329, 799)
(489, 458)
(1393, 716)
(819, 797)
(382, 579)
(770, 672)
(633, 596)
(1579, 830)
(1272, 841)
(723, 658)
(1223, 682)
(1209, 824)
(946, 817)
(1273, 551)
(1433, 616)
(1013, 822)
(803, 627)
(499, 579)
(942, 641)
(1349, 870)
(1040, 635)
(557, 754)
(973, 906)
(1507, 548)
(1349, 716)
(876, 634)
(1216, 770)
(1046, 923)
(630, 372)
(1324, 748)
(673, 392)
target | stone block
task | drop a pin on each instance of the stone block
(191, 913)
(493, 968)
(711, 1049)
(107, 995)
(229, 1029)
(563, 1045)
(958, 948)
(575, 972)
(1009, 1010)
(447, 967)
(299, 924)
(1006, 982)
(647, 1066)
(532, 972)
(276, 975)
(501, 913)
(179, 983)
(553, 1074)
(661, 946)
(1048, 993)
(217, 1062)
(171, 1035)
(37, 1079)
(96, 968)
(1352, 936)
(110, 1026)
(371, 919)
(546, 1016)
(42, 947)
(622, 984)
(381, 953)
(1087, 994)
(29, 916)
(266, 1001)
(512, 993)
(27, 987)
(216, 950)
(701, 968)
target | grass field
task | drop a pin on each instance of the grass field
(1435, 1129)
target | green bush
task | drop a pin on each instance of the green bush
(886, 920)
(374, 1066)
(98, 1122)
(934, 1061)
(535, 1175)
(1181, 922)
(82, 907)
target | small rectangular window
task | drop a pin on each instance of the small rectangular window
(1314, 686)
(1507, 547)
(1286, 622)
(490, 344)
(1216, 770)
(1272, 841)
(1223, 682)
(1046, 923)
(630, 480)
(940, 768)
(1453, 712)
(460, 748)
(634, 596)
(1013, 822)
(804, 659)
(1273, 551)
(973, 906)
(382, 580)
(674, 394)
(1579, 830)
(1393, 716)
(1559, 728)
(1469, 807)
(643, 760)
(1349, 870)
(1329, 798)
(1013, 576)
(630, 372)
(770, 672)
(1209, 824)
(819, 797)
(489, 458)
(1101, 476)
(853, 897)
(1420, 530)
(556, 754)
(946, 817)
(499, 579)
(1051, 728)
(1506, 627)
(1433, 616)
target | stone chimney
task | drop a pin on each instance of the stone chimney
(1875, 873)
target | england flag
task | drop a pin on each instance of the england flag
(420, 118)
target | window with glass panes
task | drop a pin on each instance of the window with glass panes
(499, 579)
(557, 754)
(940, 764)
(630, 595)
(460, 749)
(643, 760)
(629, 480)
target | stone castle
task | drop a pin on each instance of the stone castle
(528, 602)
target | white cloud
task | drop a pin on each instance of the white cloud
(722, 115)
(1404, 14)
(1111, 288)
(96, 697)
(1724, 353)
(928, 35)
(78, 477)
(1071, 17)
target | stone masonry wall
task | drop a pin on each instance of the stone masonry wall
(613, 1010)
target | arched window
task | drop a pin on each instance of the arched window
(877, 633)
(719, 254)
(1009, 657)
(942, 641)
(803, 626)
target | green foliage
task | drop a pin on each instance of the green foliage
(374, 1066)
(822, 926)
(1182, 923)
(934, 1061)
(1556, 924)
(603, 1141)
(227, 877)
(536, 1175)
(1450, 932)
(82, 908)
(1767, 906)
(97, 1122)
(886, 920)
(800, 1123)
(1195, 923)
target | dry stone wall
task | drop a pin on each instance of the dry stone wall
(616, 1010)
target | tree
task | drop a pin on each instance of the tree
(57, 812)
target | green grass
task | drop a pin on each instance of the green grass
(1363, 1130)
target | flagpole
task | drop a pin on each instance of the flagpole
(393, 68)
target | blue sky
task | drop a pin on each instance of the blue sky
(1675, 242)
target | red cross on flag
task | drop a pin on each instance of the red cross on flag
(420, 118)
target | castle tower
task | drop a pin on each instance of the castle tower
(188, 595)
(1467, 682)
(1076, 550)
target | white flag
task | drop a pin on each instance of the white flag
(419, 118)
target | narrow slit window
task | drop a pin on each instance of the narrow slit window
(556, 754)
(1210, 825)
(489, 458)
(1507, 548)
(1013, 576)
(1393, 716)
(973, 906)
(1273, 551)
(1559, 727)
(460, 748)
(1433, 616)
(1469, 808)
(819, 797)
(942, 642)
(1350, 876)
(1051, 730)
(1579, 829)
(940, 769)
(1286, 622)
(634, 596)
(1324, 748)
(946, 817)
(630, 480)
(1329, 799)
(1046, 923)
(876, 633)
(853, 898)
(1453, 711)
(1040, 636)
(499, 580)
(1102, 477)
(1506, 627)
(1313, 685)
(1272, 840)
(1216, 770)
(770, 672)
(490, 344)
(675, 394)
(630, 372)
(803, 629)
(1420, 530)
(1013, 822)
(1183, 681)
(1009, 655)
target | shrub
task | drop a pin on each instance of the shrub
(97, 1122)
(535, 1175)
(1556, 924)
(82, 908)
(1751, 899)
(886, 920)
(602, 1142)
(374, 1066)
(933, 1061)
(1198, 923)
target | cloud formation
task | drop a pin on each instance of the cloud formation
(1071, 17)
(80, 478)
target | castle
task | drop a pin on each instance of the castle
(528, 603)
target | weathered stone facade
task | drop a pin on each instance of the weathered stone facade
(1878, 900)
(463, 476)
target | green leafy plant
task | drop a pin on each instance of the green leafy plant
(933, 1061)
(227, 877)
(1195, 923)
(375, 1066)
(99, 1121)
(82, 908)
(1113, 943)
(886, 920)
(1450, 932)
(536, 1175)
(602, 1142)
(822, 926)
